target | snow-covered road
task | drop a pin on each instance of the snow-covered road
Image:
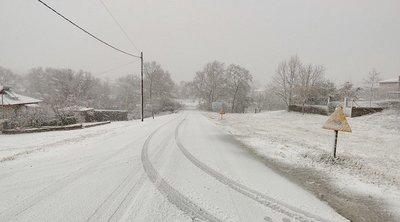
(179, 167)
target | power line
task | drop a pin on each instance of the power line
(119, 25)
(116, 68)
(93, 36)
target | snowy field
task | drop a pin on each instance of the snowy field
(368, 158)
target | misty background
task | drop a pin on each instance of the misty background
(348, 37)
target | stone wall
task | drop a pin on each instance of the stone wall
(361, 111)
(309, 109)
(110, 115)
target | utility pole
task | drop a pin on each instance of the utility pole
(2, 105)
(2, 91)
(141, 85)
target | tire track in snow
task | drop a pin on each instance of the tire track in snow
(119, 199)
(113, 207)
(175, 197)
(275, 205)
(29, 202)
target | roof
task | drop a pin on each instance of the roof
(393, 80)
(11, 98)
(111, 110)
(85, 109)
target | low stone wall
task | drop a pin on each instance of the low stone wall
(100, 115)
(87, 125)
(110, 115)
(309, 109)
(42, 129)
(361, 111)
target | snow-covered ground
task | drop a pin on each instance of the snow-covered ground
(178, 167)
(368, 158)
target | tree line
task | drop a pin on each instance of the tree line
(292, 83)
(63, 90)
(217, 82)
(300, 84)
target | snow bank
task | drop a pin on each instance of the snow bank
(368, 158)
(16, 145)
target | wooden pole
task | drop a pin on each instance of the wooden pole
(2, 105)
(141, 84)
(334, 147)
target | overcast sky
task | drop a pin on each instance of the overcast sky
(348, 37)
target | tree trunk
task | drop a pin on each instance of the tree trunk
(234, 98)
(151, 100)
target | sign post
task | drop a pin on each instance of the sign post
(334, 147)
(222, 112)
(337, 122)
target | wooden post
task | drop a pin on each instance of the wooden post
(2, 105)
(334, 146)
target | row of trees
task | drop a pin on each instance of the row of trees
(298, 83)
(215, 82)
(295, 82)
(63, 89)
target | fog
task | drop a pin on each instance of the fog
(348, 37)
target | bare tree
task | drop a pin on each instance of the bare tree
(65, 89)
(7, 77)
(310, 80)
(184, 90)
(209, 83)
(159, 87)
(128, 92)
(349, 91)
(285, 79)
(152, 70)
(372, 81)
(238, 86)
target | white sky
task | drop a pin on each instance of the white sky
(349, 37)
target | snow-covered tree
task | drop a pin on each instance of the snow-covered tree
(209, 84)
(159, 87)
(7, 77)
(310, 81)
(371, 82)
(285, 79)
(238, 87)
(127, 91)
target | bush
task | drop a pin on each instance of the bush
(35, 117)
(31, 117)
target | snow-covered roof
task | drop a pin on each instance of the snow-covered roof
(85, 109)
(12, 98)
(111, 110)
(393, 80)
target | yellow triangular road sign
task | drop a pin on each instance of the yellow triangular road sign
(337, 121)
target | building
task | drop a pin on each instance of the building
(390, 88)
(13, 103)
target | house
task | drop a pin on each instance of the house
(390, 88)
(13, 103)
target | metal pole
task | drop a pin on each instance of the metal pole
(334, 147)
(141, 75)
